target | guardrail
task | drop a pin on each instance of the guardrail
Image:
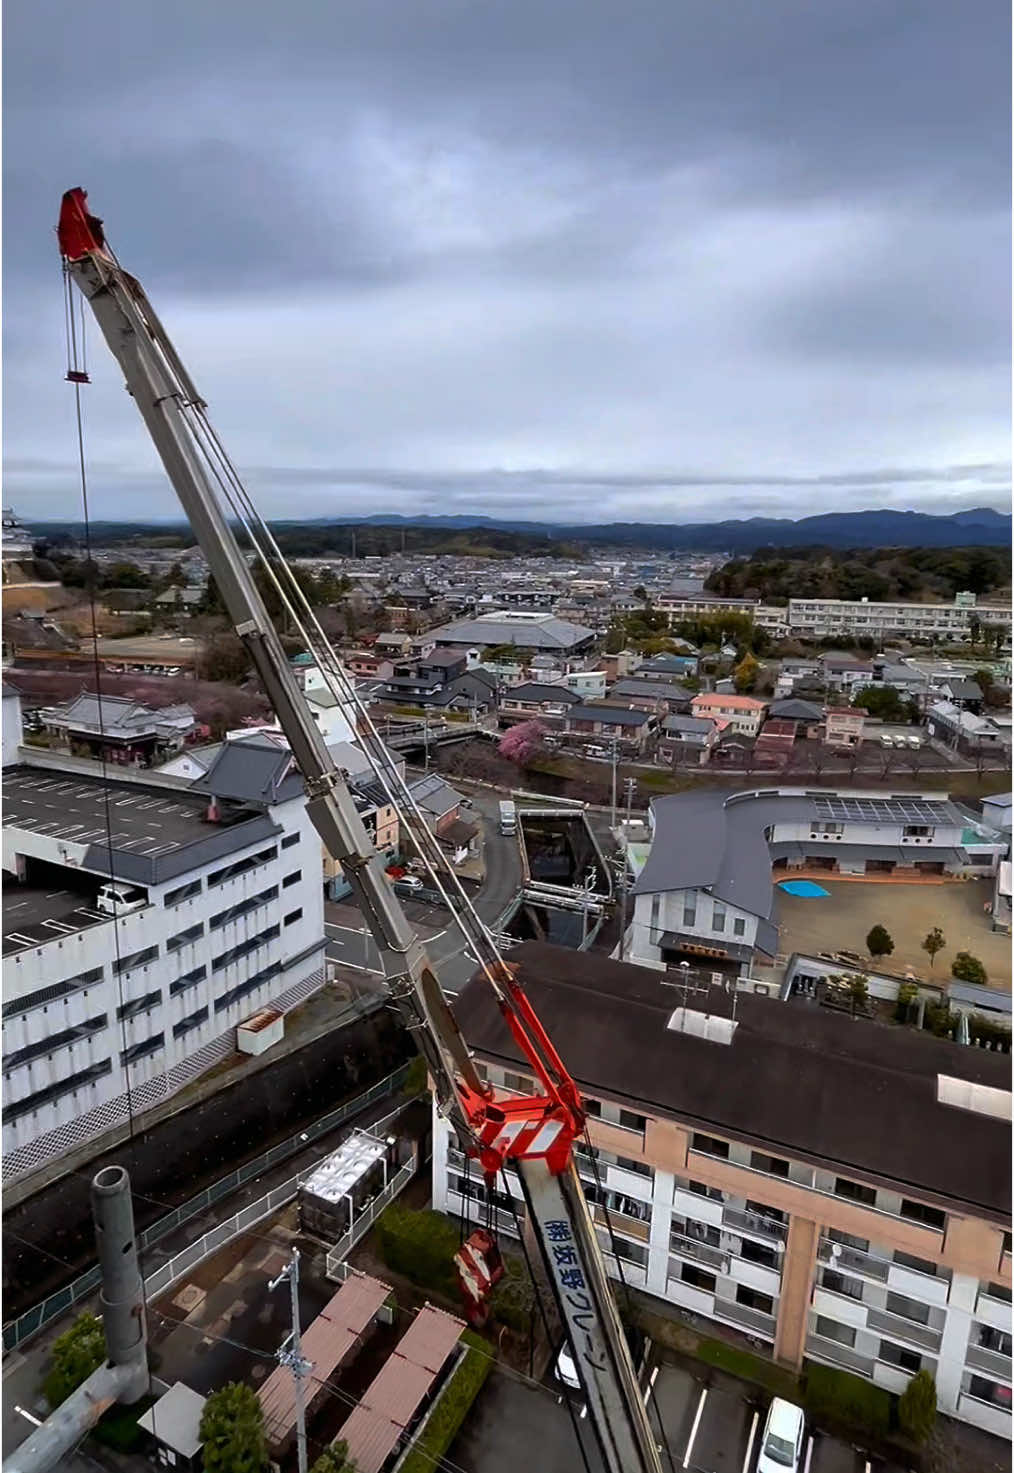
(399, 1181)
(18, 1331)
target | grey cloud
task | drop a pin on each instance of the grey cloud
(736, 248)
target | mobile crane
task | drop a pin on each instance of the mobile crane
(534, 1135)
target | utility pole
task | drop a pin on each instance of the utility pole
(290, 1353)
(589, 885)
(629, 785)
(615, 741)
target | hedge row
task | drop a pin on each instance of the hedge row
(451, 1407)
(841, 1401)
(420, 1245)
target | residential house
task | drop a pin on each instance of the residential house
(790, 671)
(843, 673)
(774, 744)
(686, 741)
(630, 728)
(394, 645)
(615, 667)
(184, 601)
(532, 630)
(120, 730)
(965, 731)
(837, 1191)
(807, 715)
(670, 667)
(441, 805)
(651, 695)
(369, 665)
(743, 713)
(965, 694)
(532, 701)
(843, 726)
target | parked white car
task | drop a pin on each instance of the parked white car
(781, 1446)
(120, 900)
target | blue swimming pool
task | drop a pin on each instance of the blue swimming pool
(806, 888)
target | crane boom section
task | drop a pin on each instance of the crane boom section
(537, 1133)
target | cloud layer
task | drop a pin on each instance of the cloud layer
(576, 262)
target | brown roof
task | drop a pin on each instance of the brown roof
(333, 1334)
(390, 1402)
(796, 1079)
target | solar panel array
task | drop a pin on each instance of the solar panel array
(883, 810)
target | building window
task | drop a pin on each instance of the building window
(987, 1338)
(139, 1005)
(16, 1109)
(919, 1212)
(773, 1165)
(641, 1168)
(293, 879)
(289, 840)
(855, 1191)
(183, 937)
(849, 1240)
(837, 1283)
(141, 1050)
(708, 1145)
(753, 1299)
(759, 1253)
(292, 917)
(908, 1309)
(242, 866)
(656, 907)
(998, 1291)
(631, 1252)
(897, 1355)
(691, 1274)
(631, 1121)
(243, 907)
(698, 1232)
(917, 1265)
(992, 1391)
(135, 959)
(700, 1190)
(718, 917)
(832, 1330)
(690, 911)
(234, 953)
(739, 926)
(194, 1020)
(189, 979)
(182, 892)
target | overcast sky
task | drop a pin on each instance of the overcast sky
(561, 259)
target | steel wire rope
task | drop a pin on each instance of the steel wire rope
(335, 676)
(76, 376)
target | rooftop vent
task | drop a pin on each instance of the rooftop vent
(704, 1025)
(979, 1098)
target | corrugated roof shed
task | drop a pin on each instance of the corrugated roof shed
(391, 1401)
(333, 1334)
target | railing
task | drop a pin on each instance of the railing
(620, 1222)
(34, 1319)
(990, 1361)
(703, 1252)
(742, 1314)
(901, 1329)
(754, 1222)
(162, 1279)
(853, 1259)
(369, 1215)
(836, 1354)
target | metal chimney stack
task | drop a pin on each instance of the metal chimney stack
(124, 1375)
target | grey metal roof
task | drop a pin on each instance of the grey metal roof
(795, 710)
(611, 715)
(250, 771)
(434, 796)
(688, 726)
(534, 690)
(543, 634)
(660, 690)
(963, 690)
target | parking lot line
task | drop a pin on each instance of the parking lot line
(809, 1455)
(749, 1446)
(693, 1431)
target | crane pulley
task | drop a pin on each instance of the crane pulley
(534, 1134)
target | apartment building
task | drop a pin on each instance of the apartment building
(226, 917)
(685, 607)
(707, 888)
(824, 618)
(742, 714)
(838, 1191)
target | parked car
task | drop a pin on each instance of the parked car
(782, 1443)
(120, 900)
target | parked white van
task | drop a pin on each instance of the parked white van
(781, 1448)
(120, 900)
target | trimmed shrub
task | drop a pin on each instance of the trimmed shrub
(451, 1406)
(840, 1400)
(917, 1406)
(420, 1245)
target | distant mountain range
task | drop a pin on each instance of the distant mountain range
(979, 527)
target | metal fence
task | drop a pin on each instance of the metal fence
(36, 1318)
(399, 1181)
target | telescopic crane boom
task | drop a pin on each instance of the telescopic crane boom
(535, 1135)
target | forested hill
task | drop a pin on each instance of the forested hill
(914, 574)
